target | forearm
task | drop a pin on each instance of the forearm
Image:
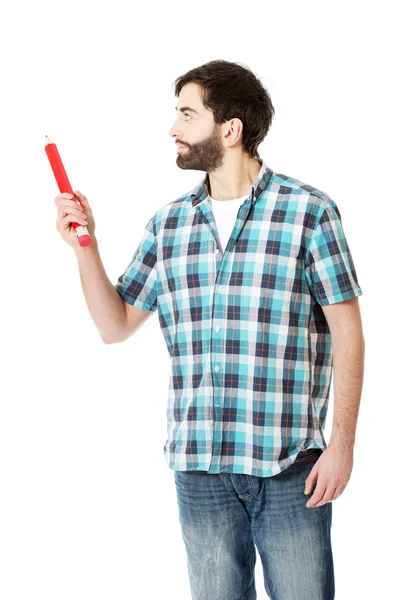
(348, 373)
(105, 305)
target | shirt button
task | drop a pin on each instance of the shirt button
(216, 368)
(217, 328)
(216, 250)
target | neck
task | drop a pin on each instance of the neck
(234, 178)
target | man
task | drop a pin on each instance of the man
(257, 293)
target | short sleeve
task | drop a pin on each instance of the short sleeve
(137, 285)
(329, 266)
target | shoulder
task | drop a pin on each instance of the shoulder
(171, 211)
(309, 199)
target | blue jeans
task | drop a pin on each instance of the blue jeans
(224, 516)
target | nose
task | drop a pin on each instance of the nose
(174, 131)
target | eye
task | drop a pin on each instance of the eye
(185, 114)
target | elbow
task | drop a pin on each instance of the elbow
(115, 340)
(109, 341)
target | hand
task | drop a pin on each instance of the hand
(69, 211)
(333, 470)
(83, 203)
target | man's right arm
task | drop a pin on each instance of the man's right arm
(115, 319)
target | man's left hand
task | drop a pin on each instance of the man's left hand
(333, 470)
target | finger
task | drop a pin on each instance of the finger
(335, 492)
(65, 195)
(317, 495)
(81, 197)
(327, 497)
(83, 200)
(69, 203)
(310, 481)
(69, 210)
(321, 503)
(71, 219)
(340, 491)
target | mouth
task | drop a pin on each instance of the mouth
(181, 147)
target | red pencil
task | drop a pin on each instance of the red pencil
(65, 186)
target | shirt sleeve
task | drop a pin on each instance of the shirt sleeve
(329, 266)
(138, 284)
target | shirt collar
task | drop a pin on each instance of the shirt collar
(201, 191)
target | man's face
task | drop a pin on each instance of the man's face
(197, 132)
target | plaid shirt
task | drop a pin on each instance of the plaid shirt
(250, 348)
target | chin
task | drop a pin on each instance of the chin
(181, 164)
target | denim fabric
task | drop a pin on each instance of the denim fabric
(224, 517)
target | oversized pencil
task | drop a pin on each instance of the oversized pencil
(65, 186)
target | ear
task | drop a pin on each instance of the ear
(233, 130)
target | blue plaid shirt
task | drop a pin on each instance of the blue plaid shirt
(250, 348)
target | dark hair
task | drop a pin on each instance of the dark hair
(231, 91)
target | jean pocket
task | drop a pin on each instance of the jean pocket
(307, 456)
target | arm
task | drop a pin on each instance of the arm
(348, 344)
(333, 468)
(135, 317)
(109, 312)
(332, 278)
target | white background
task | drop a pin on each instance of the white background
(88, 507)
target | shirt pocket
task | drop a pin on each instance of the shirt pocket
(260, 298)
(271, 282)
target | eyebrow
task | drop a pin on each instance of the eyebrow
(184, 108)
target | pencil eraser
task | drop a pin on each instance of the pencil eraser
(84, 240)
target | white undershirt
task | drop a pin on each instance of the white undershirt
(225, 214)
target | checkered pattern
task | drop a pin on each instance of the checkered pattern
(250, 347)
